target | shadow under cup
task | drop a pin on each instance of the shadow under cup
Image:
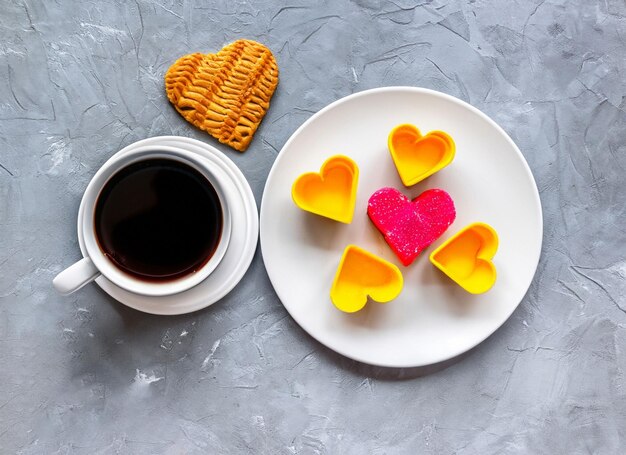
(159, 220)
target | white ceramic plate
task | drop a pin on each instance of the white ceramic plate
(433, 319)
(238, 256)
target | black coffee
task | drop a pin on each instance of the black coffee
(158, 219)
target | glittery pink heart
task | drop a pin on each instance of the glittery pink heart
(411, 226)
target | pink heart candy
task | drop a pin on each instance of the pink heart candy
(411, 226)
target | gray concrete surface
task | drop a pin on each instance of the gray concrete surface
(85, 375)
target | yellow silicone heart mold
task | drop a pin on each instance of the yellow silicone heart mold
(331, 192)
(361, 274)
(466, 257)
(417, 157)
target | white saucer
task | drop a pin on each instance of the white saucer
(433, 319)
(244, 236)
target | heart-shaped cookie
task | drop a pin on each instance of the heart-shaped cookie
(417, 157)
(361, 274)
(410, 226)
(225, 94)
(331, 192)
(466, 257)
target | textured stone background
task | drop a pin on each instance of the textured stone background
(84, 374)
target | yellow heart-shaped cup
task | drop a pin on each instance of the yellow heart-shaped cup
(361, 274)
(417, 157)
(331, 192)
(466, 257)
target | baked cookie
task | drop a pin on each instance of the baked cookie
(225, 94)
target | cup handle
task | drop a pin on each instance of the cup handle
(75, 276)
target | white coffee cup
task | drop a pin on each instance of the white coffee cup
(96, 263)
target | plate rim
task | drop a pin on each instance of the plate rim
(423, 91)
